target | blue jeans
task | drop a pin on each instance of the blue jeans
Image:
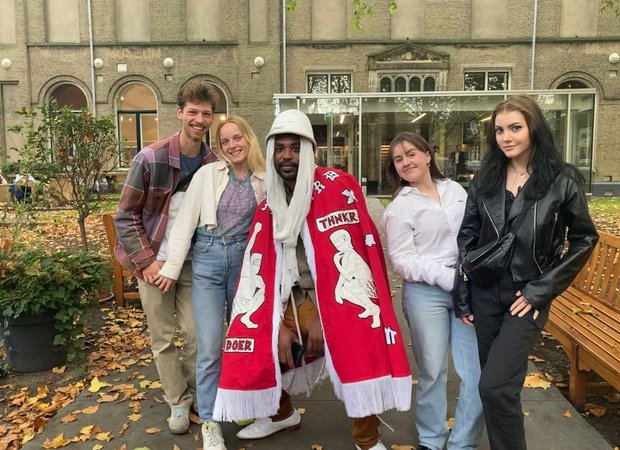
(434, 330)
(216, 263)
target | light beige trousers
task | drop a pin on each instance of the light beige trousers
(165, 314)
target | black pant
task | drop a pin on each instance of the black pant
(504, 343)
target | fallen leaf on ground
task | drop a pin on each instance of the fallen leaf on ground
(90, 410)
(153, 430)
(124, 428)
(301, 411)
(401, 447)
(96, 385)
(27, 438)
(535, 380)
(526, 413)
(58, 442)
(105, 437)
(567, 413)
(107, 398)
(68, 419)
(549, 377)
(594, 410)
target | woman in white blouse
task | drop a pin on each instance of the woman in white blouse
(421, 225)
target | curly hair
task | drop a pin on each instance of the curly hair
(197, 91)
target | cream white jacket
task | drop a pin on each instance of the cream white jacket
(421, 233)
(198, 209)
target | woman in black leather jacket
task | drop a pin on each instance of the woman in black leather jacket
(522, 173)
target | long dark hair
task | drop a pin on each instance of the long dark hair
(545, 160)
(421, 144)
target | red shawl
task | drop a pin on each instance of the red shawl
(364, 350)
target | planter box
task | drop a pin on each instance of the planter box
(28, 342)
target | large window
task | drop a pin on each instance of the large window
(408, 82)
(354, 131)
(137, 120)
(70, 95)
(329, 83)
(486, 80)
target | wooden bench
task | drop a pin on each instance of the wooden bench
(585, 319)
(122, 276)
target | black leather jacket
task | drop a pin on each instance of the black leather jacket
(540, 259)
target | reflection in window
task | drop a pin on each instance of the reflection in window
(451, 122)
(337, 83)
(386, 84)
(69, 95)
(400, 85)
(486, 81)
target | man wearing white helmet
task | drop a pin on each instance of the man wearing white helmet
(301, 309)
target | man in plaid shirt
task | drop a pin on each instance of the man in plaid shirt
(151, 196)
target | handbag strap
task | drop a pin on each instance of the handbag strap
(516, 224)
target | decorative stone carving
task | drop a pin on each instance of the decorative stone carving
(408, 55)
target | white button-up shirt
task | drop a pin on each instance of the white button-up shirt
(421, 233)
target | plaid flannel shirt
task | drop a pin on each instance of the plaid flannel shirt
(142, 214)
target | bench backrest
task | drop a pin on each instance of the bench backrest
(599, 277)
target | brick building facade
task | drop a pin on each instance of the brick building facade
(128, 58)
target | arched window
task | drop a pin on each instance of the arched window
(400, 85)
(429, 84)
(573, 84)
(415, 85)
(136, 107)
(70, 95)
(386, 84)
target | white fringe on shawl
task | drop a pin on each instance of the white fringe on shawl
(361, 399)
(235, 405)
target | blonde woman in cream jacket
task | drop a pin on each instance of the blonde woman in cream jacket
(217, 209)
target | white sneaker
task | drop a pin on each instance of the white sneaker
(179, 419)
(377, 446)
(212, 438)
(264, 427)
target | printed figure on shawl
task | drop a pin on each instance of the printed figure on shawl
(250, 293)
(355, 283)
(365, 359)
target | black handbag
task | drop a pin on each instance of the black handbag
(485, 265)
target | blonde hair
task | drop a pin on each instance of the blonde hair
(256, 160)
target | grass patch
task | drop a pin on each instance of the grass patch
(605, 205)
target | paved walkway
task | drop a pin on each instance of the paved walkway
(324, 422)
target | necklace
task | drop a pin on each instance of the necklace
(519, 179)
(519, 173)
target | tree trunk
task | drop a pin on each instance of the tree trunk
(82, 223)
